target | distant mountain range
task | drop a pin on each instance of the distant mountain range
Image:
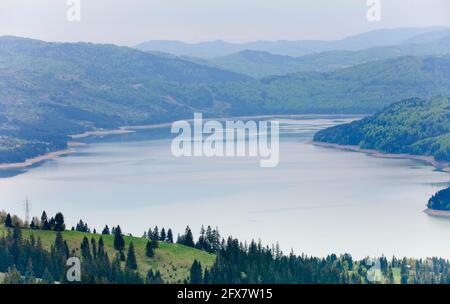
(260, 63)
(51, 90)
(212, 49)
(363, 88)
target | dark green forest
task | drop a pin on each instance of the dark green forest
(24, 260)
(440, 200)
(414, 126)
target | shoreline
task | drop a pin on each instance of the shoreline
(437, 213)
(34, 160)
(131, 129)
(442, 166)
(119, 131)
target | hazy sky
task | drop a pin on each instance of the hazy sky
(129, 22)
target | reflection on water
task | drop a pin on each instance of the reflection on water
(317, 201)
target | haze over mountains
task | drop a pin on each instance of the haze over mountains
(51, 90)
(258, 62)
(261, 63)
(212, 49)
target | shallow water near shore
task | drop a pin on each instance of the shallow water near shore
(317, 200)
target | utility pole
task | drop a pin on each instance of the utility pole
(27, 211)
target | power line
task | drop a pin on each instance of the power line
(27, 210)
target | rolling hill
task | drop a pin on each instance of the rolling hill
(173, 261)
(262, 64)
(413, 126)
(364, 88)
(51, 90)
(212, 49)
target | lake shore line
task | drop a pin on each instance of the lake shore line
(442, 166)
(119, 131)
(71, 148)
(131, 129)
(34, 160)
(438, 213)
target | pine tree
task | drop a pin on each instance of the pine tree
(404, 272)
(196, 273)
(17, 234)
(32, 224)
(29, 275)
(59, 222)
(101, 247)
(66, 249)
(154, 278)
(8, 221)
(188, 238)
(94, 248)
(85, 250)
(44, 221)
(162, 236)
(169, 236)
(202, 243)
(149, 250)
(51, 224)
(59, 243)
(391, 276)
(119, 242)
(150, 233)
(131, 258)
(106, 230)
(155, 235)
(82, 227)
(122, 256)
(206, 277)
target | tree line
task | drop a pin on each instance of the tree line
(238, 263)
(25, 260)
(440, 200)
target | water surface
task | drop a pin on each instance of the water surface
(317, 201)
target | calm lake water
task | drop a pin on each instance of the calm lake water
(317, 201)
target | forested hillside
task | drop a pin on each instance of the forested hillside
(262, 64)
(108, 255)
(440, 200)
(37, 254)
(364, 88)
(414, 126)
(51, 90)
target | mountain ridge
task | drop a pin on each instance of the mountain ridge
(413, 126)
(218, 48)
(261, 63)
(50, 90)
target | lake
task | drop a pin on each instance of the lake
(317, 200)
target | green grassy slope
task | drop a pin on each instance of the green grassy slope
(172, 260)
